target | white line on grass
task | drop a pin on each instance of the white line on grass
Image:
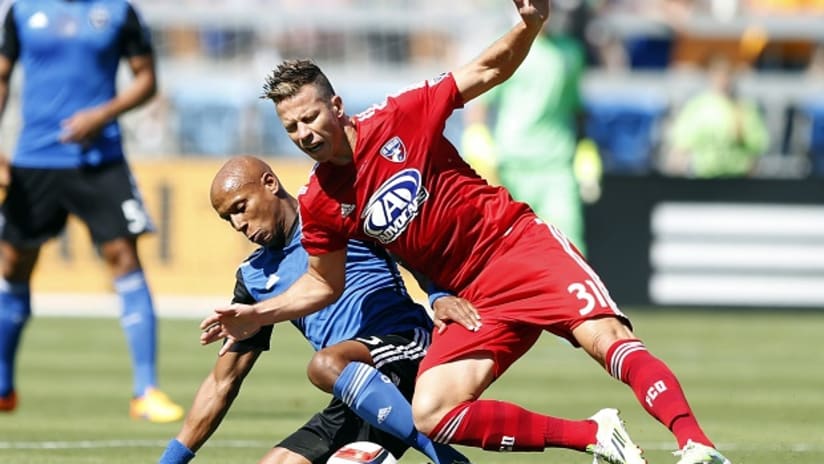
(94, 444)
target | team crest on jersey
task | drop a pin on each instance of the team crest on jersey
(394, 150)
(394, 205)
(99, 17)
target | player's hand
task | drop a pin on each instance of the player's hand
(533, 12)
(448, 309)
(84, 126)
(234, 322)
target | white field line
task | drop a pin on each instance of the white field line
(108, 305)
(99, 444)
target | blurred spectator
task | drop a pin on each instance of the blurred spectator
(717, 133)
(536, 126)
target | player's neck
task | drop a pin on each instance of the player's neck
(347, 153)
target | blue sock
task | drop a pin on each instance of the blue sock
(176, 453)
(138, 322)
(379, 402)
(15, 310)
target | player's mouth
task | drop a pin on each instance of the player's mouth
(260, 237)
(313, 148)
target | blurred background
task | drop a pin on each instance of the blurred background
(658, 229)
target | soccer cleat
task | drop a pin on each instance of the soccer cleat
(614, 445)
(696, 453)
(9, 402)
(155, 406)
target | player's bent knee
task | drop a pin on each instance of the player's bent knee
(596, 336)
(427, 411)
(280, 455)
(323, 370)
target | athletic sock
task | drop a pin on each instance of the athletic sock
(139, 323)
(656, 388)
(500, 426)
(378, 401)
(15, 310)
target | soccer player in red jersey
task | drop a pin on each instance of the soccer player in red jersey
(390, 176)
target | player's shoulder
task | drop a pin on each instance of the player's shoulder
(253, 258)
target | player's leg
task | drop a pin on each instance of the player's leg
(107, 200)
(348, 370)
(325, 433)
(519, 294)
(280, 455)
(446, 404)
(31, 214)
(15, 309)
(610, 342)
(605, 334)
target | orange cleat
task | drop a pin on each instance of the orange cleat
(155, 406)
(9, 402)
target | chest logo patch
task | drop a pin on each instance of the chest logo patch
(99, 17)
(394, 205)
(394, 150)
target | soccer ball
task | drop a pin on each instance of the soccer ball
(362, 452)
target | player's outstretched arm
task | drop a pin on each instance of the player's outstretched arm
(498, 62)
(211, 403)
(320, 286)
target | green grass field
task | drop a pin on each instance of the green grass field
(755, 380)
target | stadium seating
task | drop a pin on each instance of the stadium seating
(626, 128)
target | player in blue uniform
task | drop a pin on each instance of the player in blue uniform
(374, 323)
(69, 160)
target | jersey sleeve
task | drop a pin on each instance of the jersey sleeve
(318, 223)
(135, 38)
(241, 294)
(259, 341)
(429, 104)
(10, 47)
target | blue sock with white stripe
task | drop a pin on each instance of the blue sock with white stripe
(139, 323)
(15, 310)
(379, 402)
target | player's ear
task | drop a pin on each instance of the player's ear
(337, 105)
(270, 182)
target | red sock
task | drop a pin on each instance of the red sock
(500, 426)
(656, 388)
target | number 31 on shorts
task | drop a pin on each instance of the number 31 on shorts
(590, 293)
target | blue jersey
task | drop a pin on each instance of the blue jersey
(70, 52)
(374, 300)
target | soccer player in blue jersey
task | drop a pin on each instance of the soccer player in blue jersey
(368, 343)
(69, 160)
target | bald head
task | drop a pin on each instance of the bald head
(237, 173)
(247, 193)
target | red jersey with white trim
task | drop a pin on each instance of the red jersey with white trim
(408, 189)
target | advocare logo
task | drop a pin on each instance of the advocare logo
(394, 205)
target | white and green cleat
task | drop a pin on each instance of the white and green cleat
(614, 445)
(696, 453)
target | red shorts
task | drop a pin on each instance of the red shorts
(536, 281)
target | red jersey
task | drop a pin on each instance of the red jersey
(408, 189)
